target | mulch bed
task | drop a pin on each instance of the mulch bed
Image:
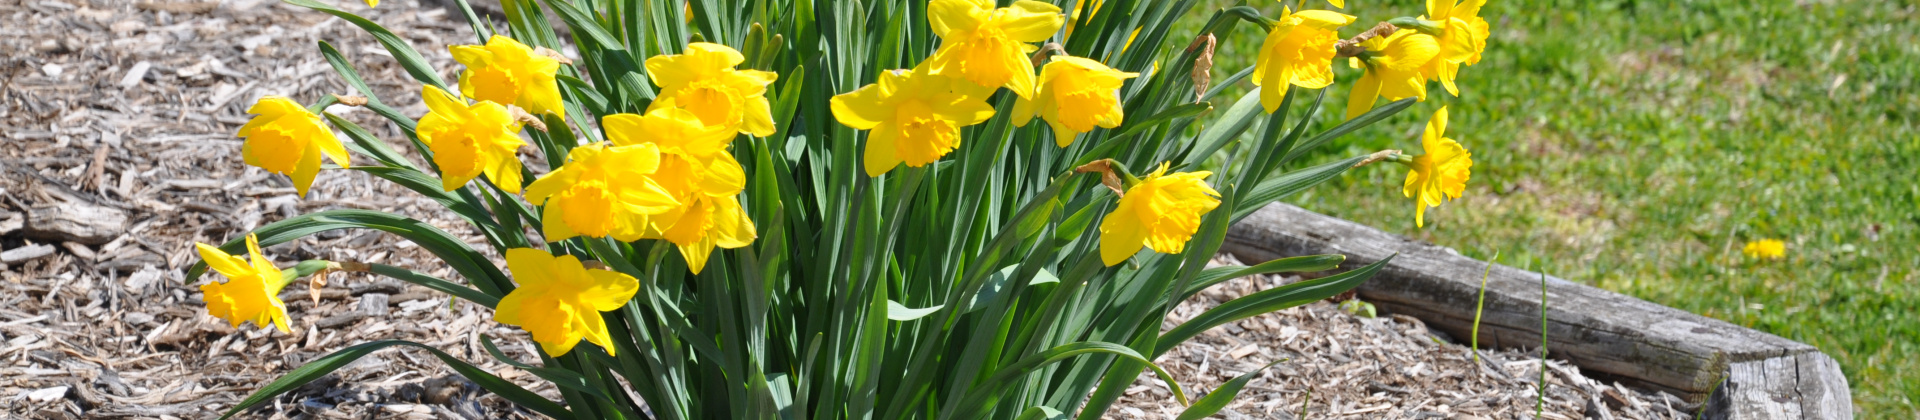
(1334, 364)
(119, 153)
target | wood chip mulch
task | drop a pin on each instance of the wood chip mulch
(119, 153)
(1343, 366)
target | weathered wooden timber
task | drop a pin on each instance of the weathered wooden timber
(1749, 374)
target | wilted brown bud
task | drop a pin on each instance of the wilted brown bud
(530, 120)
(1202, 66)
(550, 53)
(350, 100)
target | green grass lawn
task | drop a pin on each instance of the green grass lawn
(1637, 145)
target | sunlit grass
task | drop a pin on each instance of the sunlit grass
(1638, 145)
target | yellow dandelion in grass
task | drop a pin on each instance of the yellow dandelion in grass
(988, 46)
(1298, 52)
(915, 116)
(471, 140)
(559, 300)
(1765, 249)
(507, 72)
(1076, 94)
(1161, 212)
(1441, 173)
(286, 138)
(252, 290)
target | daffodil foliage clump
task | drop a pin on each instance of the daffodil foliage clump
(791, 209)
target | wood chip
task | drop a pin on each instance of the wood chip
(25, 253)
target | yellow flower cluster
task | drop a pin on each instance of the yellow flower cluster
(1399, 65)
(669, 174)
(915, 116)
(1299, 50)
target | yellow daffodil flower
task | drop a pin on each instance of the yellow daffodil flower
(915, 116)
(704, 222)
(1075, 95)
(703, 80)
(696, 169)
(470, 140)
(1463, 38)
(1298, 52)
(285, 138)
(559, 300)
(693, 156)
(1440, 174)
(507, 72)
(252, 290)
(1392, 69)
(1765, 249)
(1340, 4)
(989, 46)
(675, 130)
(1161, 212)
(373, 3)
(602, 191)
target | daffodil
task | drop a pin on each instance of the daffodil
(673, 129)
(703, 80)
(1441, 173)
(252, 290)
(989, 46)
(1075, 95)
(704, 222)
(1161, 212)
(507, 72)
(1342, 4)
(470, 140)
(1765, 249)
(1299, 51)
(693, 155)
(559, 300)
(373, 3)
(1463, 37)
(1392, 66)
(915, 116)
(696, 170)
(286, 138)
(602, 191)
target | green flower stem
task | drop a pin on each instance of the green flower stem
(1424, 26)
(303, 269)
